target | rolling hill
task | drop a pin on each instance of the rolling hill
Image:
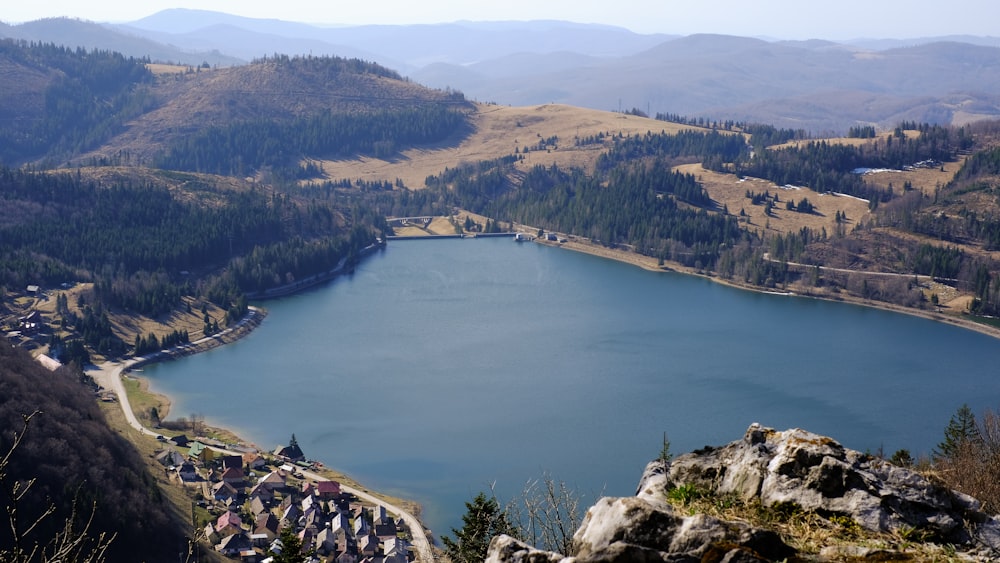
(820, 86)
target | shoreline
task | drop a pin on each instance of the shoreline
(110, 375)
(650, 264)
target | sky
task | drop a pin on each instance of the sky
(780, 19)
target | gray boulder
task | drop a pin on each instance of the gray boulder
(818, 474)
(813, 472)
(647, 529)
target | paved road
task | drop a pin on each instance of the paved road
(109, 376)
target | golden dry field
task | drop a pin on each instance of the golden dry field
(500, 131)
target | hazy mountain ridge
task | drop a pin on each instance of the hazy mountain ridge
(814, 84)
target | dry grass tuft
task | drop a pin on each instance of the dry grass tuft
(807, 531)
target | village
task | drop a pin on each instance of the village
(253, 496)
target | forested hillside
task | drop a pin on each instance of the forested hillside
(74, 457)
(634, 198)
(125, 214)
(74, 99)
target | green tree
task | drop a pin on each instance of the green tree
(902, 458)
(291, 548)
(665, 455)
(960, 432)
(482, 521)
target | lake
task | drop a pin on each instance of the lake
(441, 367)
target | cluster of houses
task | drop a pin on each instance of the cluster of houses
(252, 499)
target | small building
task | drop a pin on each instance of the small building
(229, 523)
(50, 364)
(187, 472)
(327, 490)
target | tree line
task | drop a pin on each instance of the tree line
(241, 149)
(139, 243)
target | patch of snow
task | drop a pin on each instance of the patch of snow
(850, 196)
(790, 187)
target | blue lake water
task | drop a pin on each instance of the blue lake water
(441, 367)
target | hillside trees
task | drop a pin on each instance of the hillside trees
(76, 460)
(90, 97)
(242, 148)
(136, 241)
(637, 206)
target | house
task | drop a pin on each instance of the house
(273, 481)
(181, 441)
(368, 545)
(309, 503)
(235, 477)
(262, 493)
(187, 472)
(210, 535)
(361, 527)
(229, 523)
(308, 489)
(201, 452)
(230, 461)
(326, 542)
(327, 490)
(386, 529)
(257, 506)
(223, 491)
(379, 515)
(233, 544)
(170, 458)
(267, 524)
(340, 523)
(32, 290)
(254, 461)
(395, 546)
(290, 516)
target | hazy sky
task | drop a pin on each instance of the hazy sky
(786, 19)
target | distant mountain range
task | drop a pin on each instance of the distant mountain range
(815, 85)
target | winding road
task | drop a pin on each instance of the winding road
(109, 376)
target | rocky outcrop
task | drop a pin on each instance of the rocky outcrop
(815, 473)
(648, 529)
(794, 468)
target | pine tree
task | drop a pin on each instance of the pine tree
(482, 521)
(291, 548)
(961, 431)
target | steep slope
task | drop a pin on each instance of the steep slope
(71, 452)
(273, 90)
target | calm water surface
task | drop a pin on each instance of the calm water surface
(440, 367)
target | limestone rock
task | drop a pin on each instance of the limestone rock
(505, 549)
(635, 529)
(813, 472)
(818, 474)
